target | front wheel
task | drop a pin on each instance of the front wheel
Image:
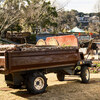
(36, 83)
(85, 74)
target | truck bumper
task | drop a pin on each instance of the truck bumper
(86, 62)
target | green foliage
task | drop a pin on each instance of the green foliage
(95, 69)
(64, 45)
(98, 65)
(40, 14)
(15, 27)
(20, 14)
(53, 24)
(47, 18)
(32, 39)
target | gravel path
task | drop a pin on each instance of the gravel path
(70, 89)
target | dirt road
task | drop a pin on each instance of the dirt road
(70, 89)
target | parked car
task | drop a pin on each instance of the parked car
(84, 38)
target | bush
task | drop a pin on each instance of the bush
(32, 39)
(95, 69)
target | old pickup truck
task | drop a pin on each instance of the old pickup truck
(27, 65)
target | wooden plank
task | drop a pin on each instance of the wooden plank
(2, 61)
(41, 42)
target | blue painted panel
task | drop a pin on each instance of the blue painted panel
(43, 37)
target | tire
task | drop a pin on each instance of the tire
(60, 76)
(85, 74)
(36, 83)
(10, 78)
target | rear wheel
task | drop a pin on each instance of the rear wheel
(36, 83)
(85, 74)
(10, 82)
(60, 76)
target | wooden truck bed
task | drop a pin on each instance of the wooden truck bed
(39, 58)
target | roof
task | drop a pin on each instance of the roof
(76, 29)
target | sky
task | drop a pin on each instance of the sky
(86, 6)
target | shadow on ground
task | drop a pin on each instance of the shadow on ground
(71, 90)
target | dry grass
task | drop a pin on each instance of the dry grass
(70, 89)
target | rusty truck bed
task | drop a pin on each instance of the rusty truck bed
(13, 61)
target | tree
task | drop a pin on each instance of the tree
(39, 14)
(66, 19)
(9, 14)
(95, 26)
(29, 13)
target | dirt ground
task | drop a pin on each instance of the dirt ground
(70, 89)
